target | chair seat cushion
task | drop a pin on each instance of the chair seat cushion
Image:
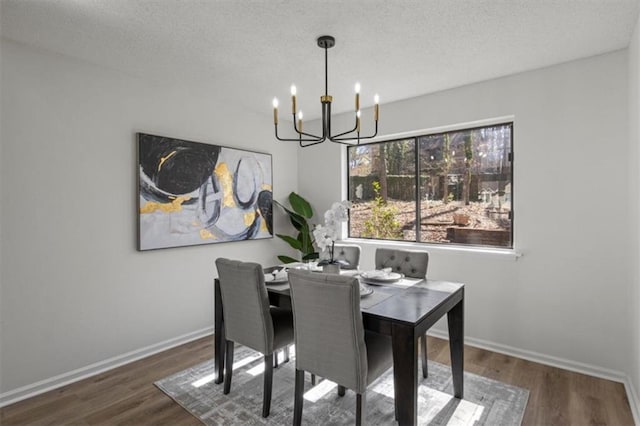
(379, 354)
(282, 327)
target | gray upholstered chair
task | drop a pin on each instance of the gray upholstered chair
(249, 319)
(348, 253)
(412, 264)
(330, 338)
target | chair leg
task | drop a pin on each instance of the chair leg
(298, 400)
(313, 379)
(425, 370)
(341, 390)
(275, 359)
(286, 353)
(361, 411)
(268, 384)
(228, 366)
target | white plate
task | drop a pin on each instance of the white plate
(304, 266)
(365, 291)
(377, 277)
(270, 279)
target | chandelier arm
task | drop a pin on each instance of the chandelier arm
(332, 137)
(346, 141)
(312, 143)
(297, 139)
(311, 137)
(353, 139)
(355, 127)
(314, 139)
(358, 138)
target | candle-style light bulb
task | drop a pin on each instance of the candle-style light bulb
(293, 98)
(275, 110)
(357, 88)
(300, 115)
(376, 107)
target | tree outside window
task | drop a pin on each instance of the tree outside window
(448, 188)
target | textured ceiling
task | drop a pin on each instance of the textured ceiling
(246, 52)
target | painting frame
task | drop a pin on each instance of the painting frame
(194, 193)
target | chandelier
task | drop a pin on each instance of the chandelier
(350, 137)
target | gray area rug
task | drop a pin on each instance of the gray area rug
(486, 401)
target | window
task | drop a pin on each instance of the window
(449, 188)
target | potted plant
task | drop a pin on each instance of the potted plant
(299, 213)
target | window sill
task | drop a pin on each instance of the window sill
(437, 248)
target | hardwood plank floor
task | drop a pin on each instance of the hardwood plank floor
(127, 396)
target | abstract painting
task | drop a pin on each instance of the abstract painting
(194, 193)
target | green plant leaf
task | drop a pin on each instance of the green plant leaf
(306, 244)
(287, 259)
(300, 205)
(311, 256)
(297, 221)
(292, 241)
(304, 240)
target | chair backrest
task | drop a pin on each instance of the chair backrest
(329, 335)
(412, 264)
(247, 319)
(349, 253)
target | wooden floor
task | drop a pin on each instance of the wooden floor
(126, 395)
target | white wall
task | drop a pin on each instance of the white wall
(74, 289)
(564, 301)
(634, 197)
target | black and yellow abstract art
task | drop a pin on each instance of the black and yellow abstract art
(193, 193)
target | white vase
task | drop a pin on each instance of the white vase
(331, 268)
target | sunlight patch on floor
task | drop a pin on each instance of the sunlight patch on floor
(203, 381)
(435, 402)
(239, 364)
(320, 390)
(255, 371)
(465, 412)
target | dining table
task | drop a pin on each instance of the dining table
(403, 309)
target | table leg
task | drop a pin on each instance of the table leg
(405, 373)
(219, 337)
(455, 321)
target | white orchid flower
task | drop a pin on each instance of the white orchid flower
(325, 235)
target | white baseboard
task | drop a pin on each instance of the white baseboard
(634, 401)
(55, 382)
(565, 364)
